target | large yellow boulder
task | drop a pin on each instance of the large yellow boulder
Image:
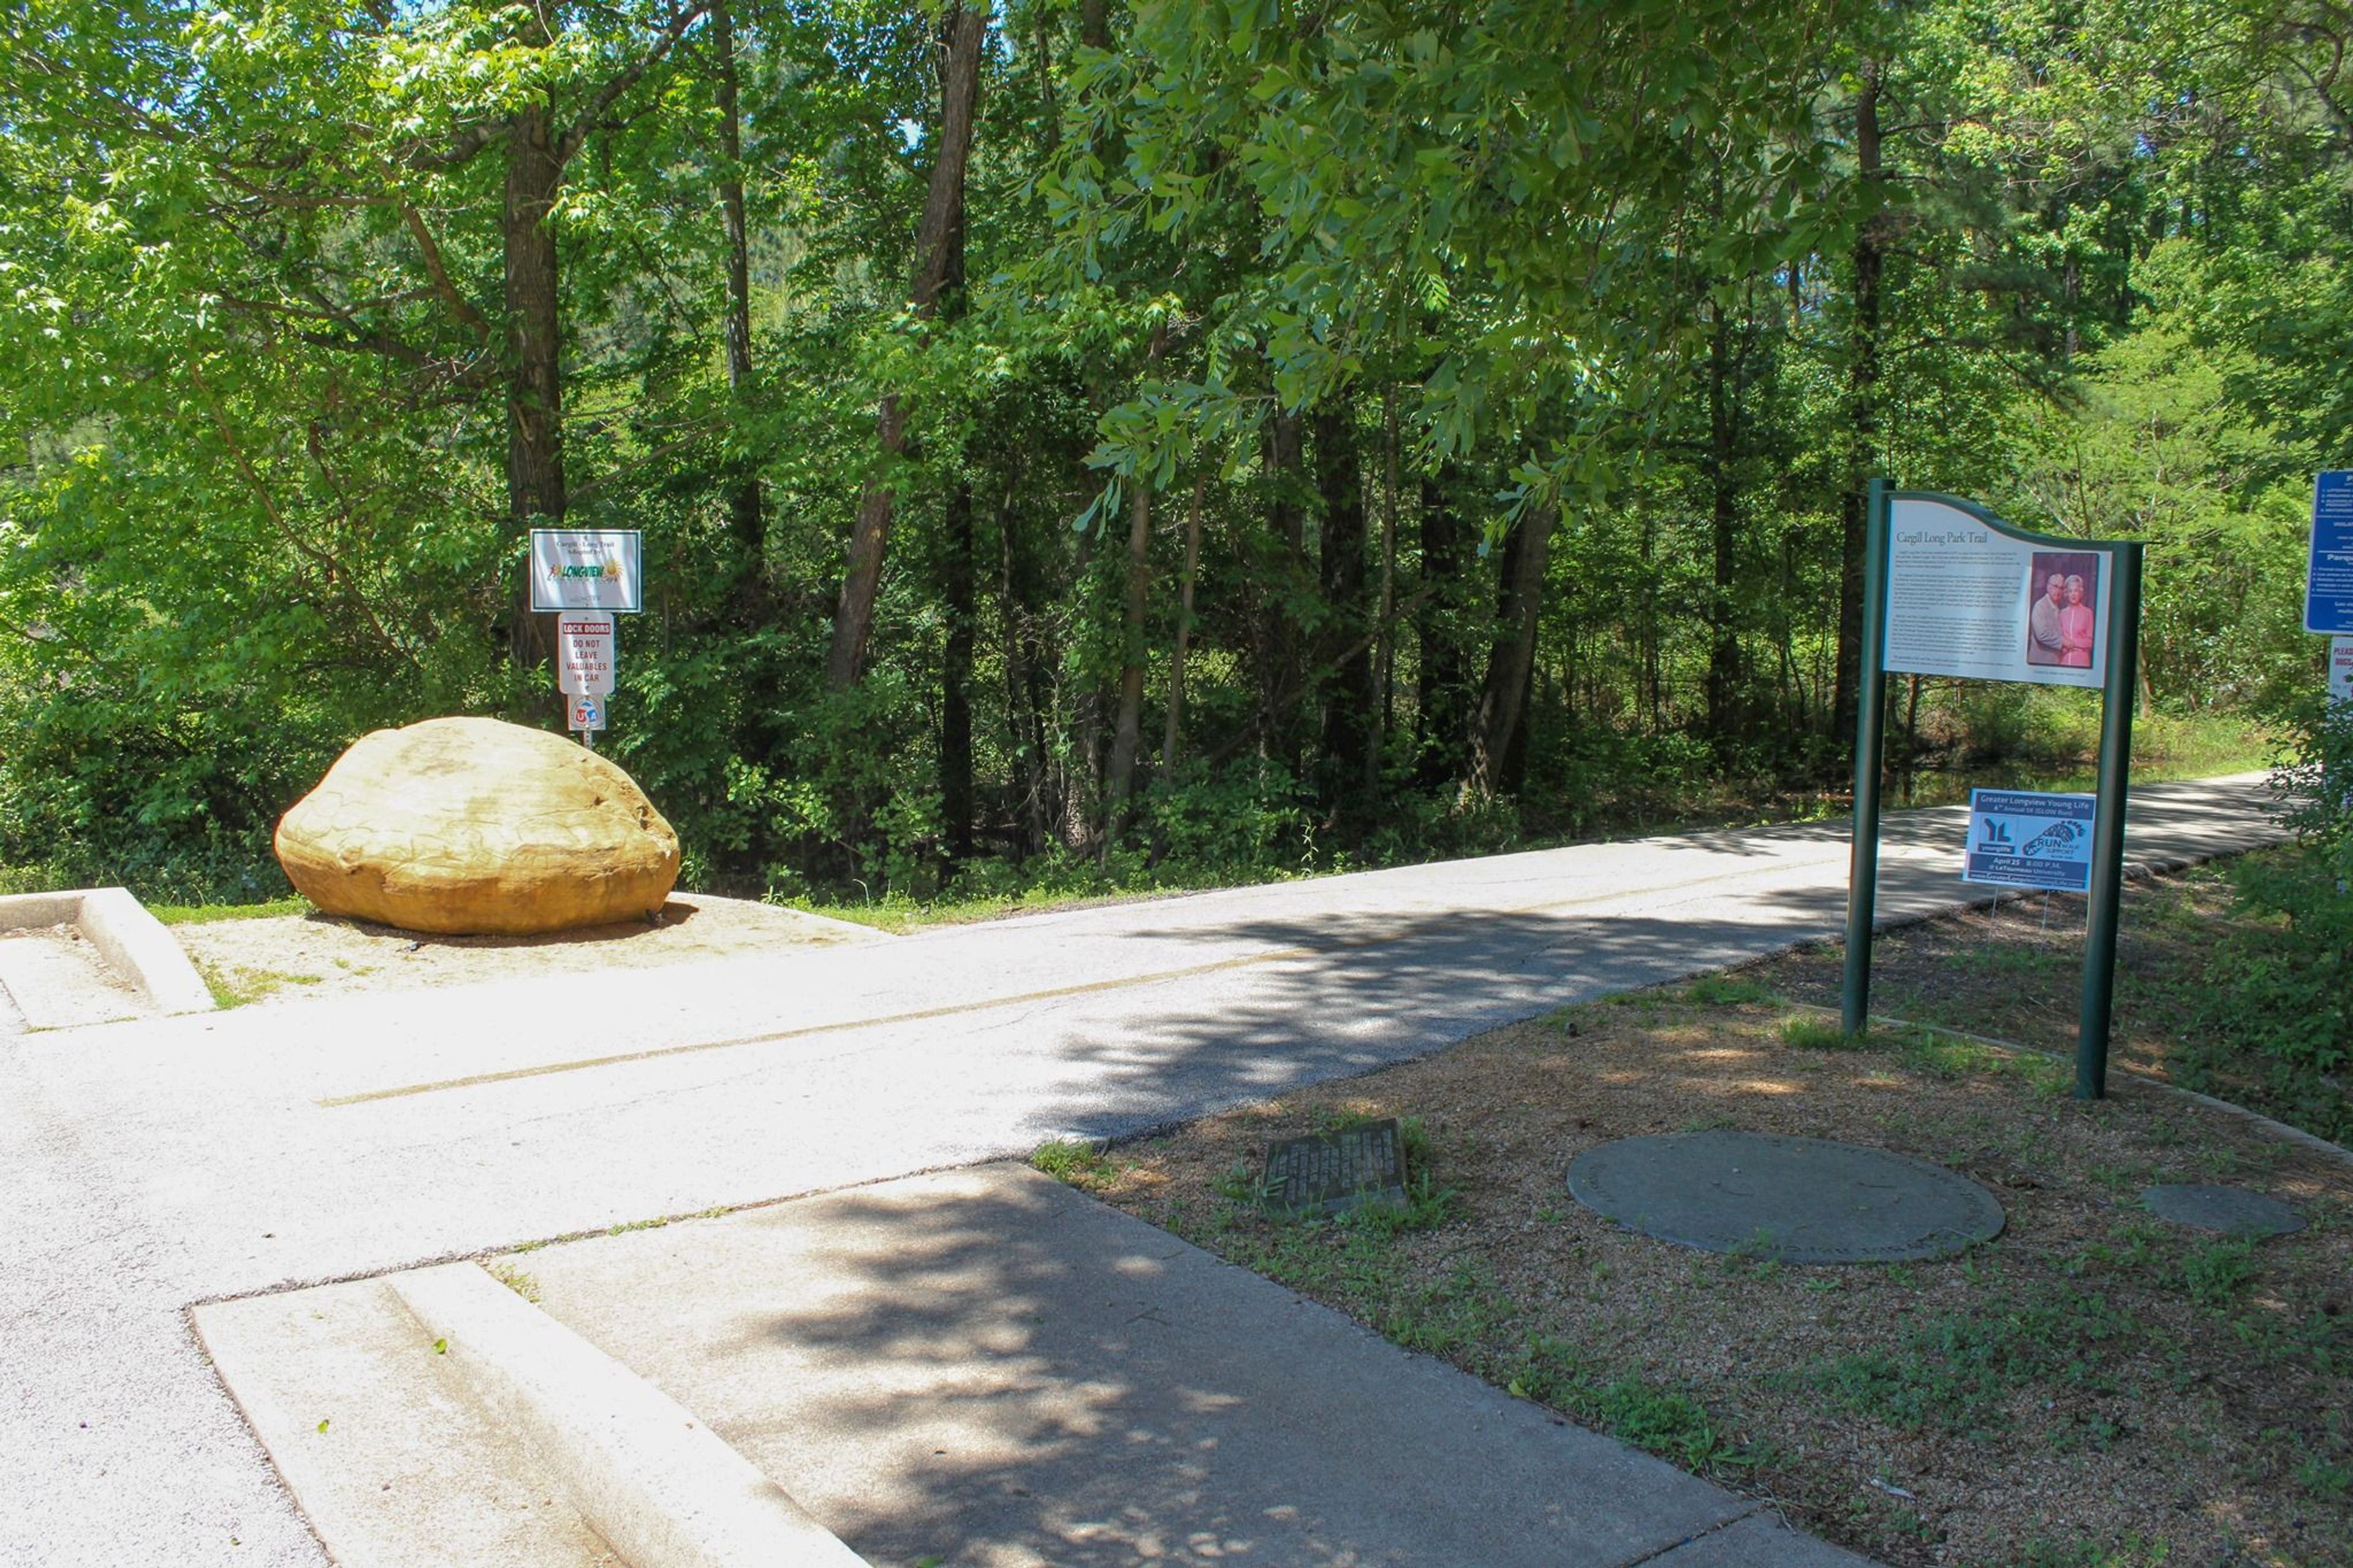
(467, 826)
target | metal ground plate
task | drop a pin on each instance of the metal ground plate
(2234, 1211)
(1797, 1200)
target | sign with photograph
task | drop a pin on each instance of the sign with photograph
(2328, 580)
(1966, 597)
(584, 652)
(1950, 589)
(587, 569)
(2020, 840)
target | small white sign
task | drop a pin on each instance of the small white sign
(587, 569)
(586, 651)
(2022, 840)
(588, 712)
(2340, 670)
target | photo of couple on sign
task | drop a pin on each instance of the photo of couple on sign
(2062, 619)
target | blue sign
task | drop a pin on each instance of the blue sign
(2328, 590)
(2020, 840)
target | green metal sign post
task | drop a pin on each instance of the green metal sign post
(1955, 593)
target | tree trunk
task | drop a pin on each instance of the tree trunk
(1442, 695)
(1172, 736)
(1384, 661)
(1127, 732)
(744, 515)
(1503, 699)
(955, 674)
(535, 494)
(1025, 700)
(961, 32)
(1279, 676)
(1350, 702)
(1862, 410)
(1724, 644)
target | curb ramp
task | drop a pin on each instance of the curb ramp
(436, 1417)
(978, 1368)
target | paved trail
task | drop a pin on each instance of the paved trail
(146, 1165)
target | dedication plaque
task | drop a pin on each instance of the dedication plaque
(1966, 597)
(1335, 1171)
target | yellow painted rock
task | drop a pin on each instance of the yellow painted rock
(473, 826)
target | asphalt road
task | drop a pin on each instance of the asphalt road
(147, 1165)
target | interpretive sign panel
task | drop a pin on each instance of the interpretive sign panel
(1967, 598)
(1950, 589)
(2328, 584)
(2018, 840)
(2340, 670)
(1335, 1171)
(586, 569)
(584, 652)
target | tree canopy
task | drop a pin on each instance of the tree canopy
(1215, 437)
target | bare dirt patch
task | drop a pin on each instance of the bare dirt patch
(281, 957)
(2093, 1389)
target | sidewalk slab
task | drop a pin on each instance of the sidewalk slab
(989, 1370)
(149, 1163)
(375, 1438)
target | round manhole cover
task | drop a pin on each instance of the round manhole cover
(2234, 1211)
(1799, 1200)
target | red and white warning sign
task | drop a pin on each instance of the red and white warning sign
(584, 652)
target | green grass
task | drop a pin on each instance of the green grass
(1726, 991)
(2218, 1274)
(1958, 1370)
(200, 914)
(516, 1280)
(1071, 1161)
(1657, 1417)
(2134, 1550)
(1945, 1056)
(1807, 1032)
(238, 987)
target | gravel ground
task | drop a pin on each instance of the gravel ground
(2092, 1387)
(284, 957)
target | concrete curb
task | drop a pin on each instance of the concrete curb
(133, 941)
(661, 1488)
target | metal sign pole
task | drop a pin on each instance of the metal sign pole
(2108, 827)
(1870, 744)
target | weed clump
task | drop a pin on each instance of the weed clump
(1807, 1033)
(1072, 1161)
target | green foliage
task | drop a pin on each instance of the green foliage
(1371, 294)
(1655, 1417)
(1080, 1164)
(1726, 991)
(198, 914)
(1807, 1032)
(1959, 1370)
(2276, 1009)
(2218, 1274)
(2134, 1550)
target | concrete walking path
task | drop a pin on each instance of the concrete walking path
(145, 1165)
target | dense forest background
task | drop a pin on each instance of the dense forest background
(1077, 441)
